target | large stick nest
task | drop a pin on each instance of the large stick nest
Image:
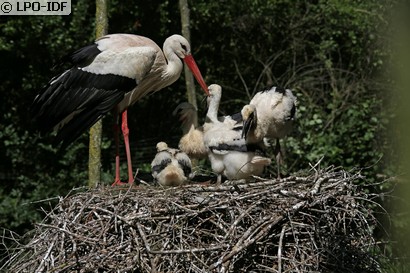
(314, 223)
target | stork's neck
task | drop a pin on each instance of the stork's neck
(174, 67)
(189, 124)
(213, 108)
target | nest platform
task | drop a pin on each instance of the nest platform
(317, 222)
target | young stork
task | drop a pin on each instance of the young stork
(270, 114)
(113, 73)
(170, 167)
(192, 141)
(228, 152)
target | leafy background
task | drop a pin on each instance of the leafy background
(335, 56)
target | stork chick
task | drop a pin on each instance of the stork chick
(270, 114)
(170, 167)
(192, 141)
(228, 152)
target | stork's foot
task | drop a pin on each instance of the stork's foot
(219, 180)
(118, 182)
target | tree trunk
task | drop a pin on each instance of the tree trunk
(189, 78)
(94, 160)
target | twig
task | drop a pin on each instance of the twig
(83, 238)
(147, 247)
(47, 254)
(282, 233)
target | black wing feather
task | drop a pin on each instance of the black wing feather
(185, 165)
(84, 96)
(81, 57)
(164, 163)
(292, 112)
(239, 147)
(90, 113)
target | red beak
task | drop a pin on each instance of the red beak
(190, 62)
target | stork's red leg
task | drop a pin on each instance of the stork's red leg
(126, 132)
(117, 180)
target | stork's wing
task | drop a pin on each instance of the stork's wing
(133, 62)
(184, 162)
(81, 57)
(160, 162)
(73, 101)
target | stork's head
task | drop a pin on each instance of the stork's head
(180, 46)
(185, 111)
(183, 108)
(161, 146)
(177, 44)
(215, 93)
(248, 112)
(187, 115)
(249, 117)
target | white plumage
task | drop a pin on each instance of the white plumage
(228, 152)
(170, 167)
(270, 114)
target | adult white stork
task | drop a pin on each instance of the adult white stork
(170, 167)
(113, 73)
(228, 151)
(270, 114)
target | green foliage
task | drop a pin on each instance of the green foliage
(346, 124)
(31, 168)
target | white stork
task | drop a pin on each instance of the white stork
(170, 167)
(270, 114)
(192, 141)
(228, 151)
(112, 73)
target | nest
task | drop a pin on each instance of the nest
(318, 222)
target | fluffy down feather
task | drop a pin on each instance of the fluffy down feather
(170, 167)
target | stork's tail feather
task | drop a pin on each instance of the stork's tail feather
(72, 102)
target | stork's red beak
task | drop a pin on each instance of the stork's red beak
(190, 62)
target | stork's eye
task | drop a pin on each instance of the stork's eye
(184, 47)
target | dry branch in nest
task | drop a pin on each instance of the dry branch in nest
(314, 223)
